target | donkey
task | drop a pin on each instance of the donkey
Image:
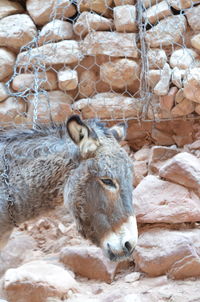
(80, 161)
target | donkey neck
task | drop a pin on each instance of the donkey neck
(38, 169)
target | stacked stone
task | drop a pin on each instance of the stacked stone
(166, 200)
(91, 63)
(173, 56)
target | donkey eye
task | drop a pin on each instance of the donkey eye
(108, 182)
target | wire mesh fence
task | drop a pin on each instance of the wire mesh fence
(114, 60)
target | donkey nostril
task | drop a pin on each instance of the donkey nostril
(128, 246)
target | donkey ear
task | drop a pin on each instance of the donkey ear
(119, 131)
(82, 135)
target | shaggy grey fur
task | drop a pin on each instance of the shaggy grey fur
(45, 162)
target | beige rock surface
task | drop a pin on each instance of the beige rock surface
(55, 103)
(195, 41)
(67, 79)
(156, 58)
(55, 31)
(64, 52)
(183, 58)
(162, 87)
(176, 253)
(119, 73)
(10, 109)
(99, 6)
(192, 15)
(16, 31)
(87, 83)
(26, 81)
(153, 77)
(140, 170)
(89, 262)
(9, 8)
(178, 76)
(107, 105)
(158, 156)
(125, 18)
(3, 92)
(44, 11)
(167, 31)
(184, 169)
(182, 4)
(112, 44)
(183, 108)
(36, 281)
(157, 12)
(123, 2)
(167, 101)
(88, 21)
(168, 202)
(191, 88)
(7, 61)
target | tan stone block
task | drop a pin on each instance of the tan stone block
(99, 6)
(125, 18)
(7, 62)
(9, 8)
(183, 108)
(67, 79)
(157, 12)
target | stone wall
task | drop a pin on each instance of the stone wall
(111, 59)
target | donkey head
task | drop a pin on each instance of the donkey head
(99, 191)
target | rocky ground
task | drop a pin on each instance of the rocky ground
(47, 261)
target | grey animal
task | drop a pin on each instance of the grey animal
(80, 161)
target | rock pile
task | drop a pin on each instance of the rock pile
(90, 51)
(47, 261)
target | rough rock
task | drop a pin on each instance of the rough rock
(7, 61)
(172, 252)
(149, 3)
(142, 154)
(178, 76)
(44, 11)
(119, 73)
(140, 170)
(99, 6)
(197, 109)
(182, 4)
(88, 21)
(123, 2)
(183, 58)
(38, 280)
(67, 79)
(112, 44)
(55, 31)
(56, 103)
(26, 81)
(191, 88)
(125, 18)
(10, 109)
(16, 31)
(195, 41)
(108, 105)
(179, 96)
(183, 108)
(87, 83)
(161, 137)
(19, 249)
(9, 8)
(162, 87)
(167, 101)
(184, 169)
(192, 15)
(89, 262)
(153, 77)
(156, 58)
(168, 202)
(157, 12)
(159, 155)
(3, 92)
(64, 52)
(168, 31)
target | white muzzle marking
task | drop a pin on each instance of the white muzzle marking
(120, 245)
